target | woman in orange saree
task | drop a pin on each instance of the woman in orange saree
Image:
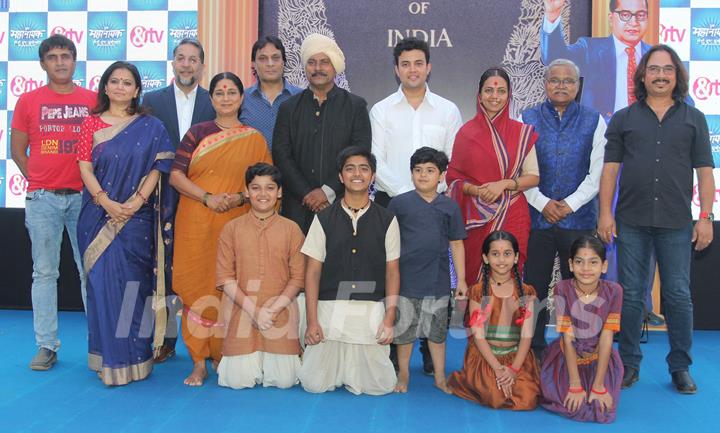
(209, 172)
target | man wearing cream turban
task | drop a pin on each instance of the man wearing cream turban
(311, 129)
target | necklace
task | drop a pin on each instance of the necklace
(498, 283)
(265, 218)
(356, 210)
(586, 295)
(226, 127)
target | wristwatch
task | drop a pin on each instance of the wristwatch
(707, 215)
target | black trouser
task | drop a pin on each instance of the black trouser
(542, 247)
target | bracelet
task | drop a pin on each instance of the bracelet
(576, 390)
(242, 198)
(517, 185)
(594, 391)
(204, 199)
(96, 197)
(514, 370)
(139, 194)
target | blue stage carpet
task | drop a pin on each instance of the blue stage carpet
(70, 398)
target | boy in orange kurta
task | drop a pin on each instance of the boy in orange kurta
(260, 269)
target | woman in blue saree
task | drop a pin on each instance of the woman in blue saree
(121, 155)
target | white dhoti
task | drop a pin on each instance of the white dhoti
(350, 354)
(268, 369)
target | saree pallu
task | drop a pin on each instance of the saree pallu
(485, 151)
(119, 259)
(476, 381)
(218, 164)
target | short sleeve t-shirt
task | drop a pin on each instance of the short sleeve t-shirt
(426, 230)
(52, 122)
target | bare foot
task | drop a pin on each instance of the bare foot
(214, 365)
(198, 375)
(441, 384)
(402, 382)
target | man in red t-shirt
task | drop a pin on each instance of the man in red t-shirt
(47, 120)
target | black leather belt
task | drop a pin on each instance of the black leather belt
(63, 191)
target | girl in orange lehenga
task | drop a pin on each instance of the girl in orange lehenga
(209, 174)
(499, 368)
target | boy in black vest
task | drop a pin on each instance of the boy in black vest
(353, 250)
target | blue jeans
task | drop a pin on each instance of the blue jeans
(46, 215)
(673, 250)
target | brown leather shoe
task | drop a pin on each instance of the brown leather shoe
(163, 354)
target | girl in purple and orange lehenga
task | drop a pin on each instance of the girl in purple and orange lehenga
(581, 371)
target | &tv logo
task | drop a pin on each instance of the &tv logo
(2, 37)
(17, 184)
(70, 33)
(141, 35)
(705, 88)
(669, 34)
(94, 83)
(20, 85)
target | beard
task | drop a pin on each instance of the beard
(186, 82)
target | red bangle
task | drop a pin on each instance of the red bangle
(594, 391)
(576, 390)
(139, 194)
(515, 370)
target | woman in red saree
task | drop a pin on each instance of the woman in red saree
(493, 161)
(209, 173)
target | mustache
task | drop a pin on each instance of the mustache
(661, 80)
(318, 74)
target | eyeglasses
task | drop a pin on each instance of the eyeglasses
(567, 81)
(655, 70)
(626, 16)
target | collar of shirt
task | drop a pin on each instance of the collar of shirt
(620, 49)
(257, 91)
(262, 223)
(429, 97)
(354, 217)
(570, 110)
(180, 94)
(330, 94)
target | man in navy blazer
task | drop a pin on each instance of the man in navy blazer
(604, 61)
(182, 103)
(179, 106)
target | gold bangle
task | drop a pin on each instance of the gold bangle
(96, 197)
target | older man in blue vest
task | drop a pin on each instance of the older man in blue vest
(564, 205)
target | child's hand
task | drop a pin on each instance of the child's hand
(384, 333)
(265, 319)
(507, 390)
(605, 401)
(573, 400)
(314, 334)
(504, 376)
(461, 290)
